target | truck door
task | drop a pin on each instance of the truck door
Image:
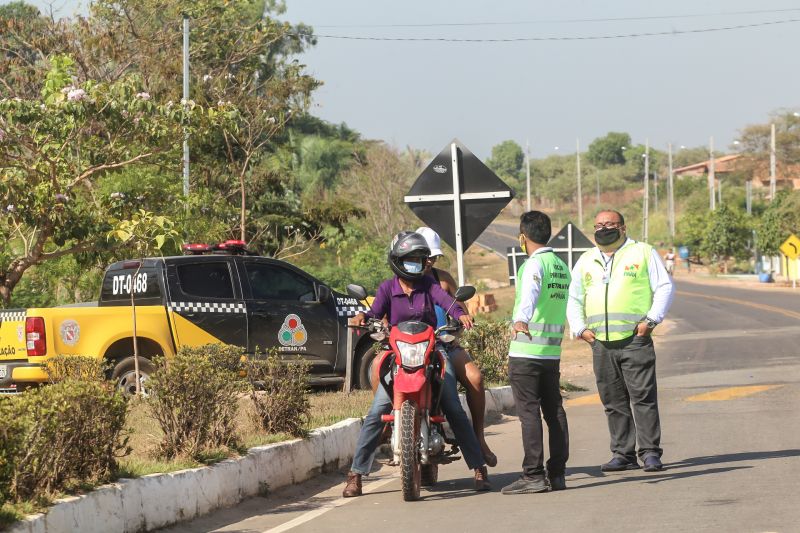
(206, 304)
(283, 312)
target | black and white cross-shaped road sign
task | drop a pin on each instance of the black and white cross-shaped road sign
(568, 244)
(458, 197)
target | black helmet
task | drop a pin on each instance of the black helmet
(407, 245)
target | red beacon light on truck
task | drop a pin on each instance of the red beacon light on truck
(229, 247)
(232, 246)
(195, 249)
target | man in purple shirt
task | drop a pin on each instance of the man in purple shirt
(411, 295)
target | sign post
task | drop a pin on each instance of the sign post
(460, 208)
(791, 249)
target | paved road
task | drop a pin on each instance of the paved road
(729, 370)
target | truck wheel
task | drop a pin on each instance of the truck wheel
(366, 373)
(124, 375)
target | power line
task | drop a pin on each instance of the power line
(564, 21)
(563, 38)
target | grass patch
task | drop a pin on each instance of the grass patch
(11, 512)
(566, 386)
(326, 408)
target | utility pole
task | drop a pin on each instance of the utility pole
(748, 190)
(580, 194)
(772, 164)
(655, 191)
(185, 98)
(528, 171)
(646, 207)
(711, 176)
(671, 197)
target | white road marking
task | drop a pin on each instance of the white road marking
(311, 515)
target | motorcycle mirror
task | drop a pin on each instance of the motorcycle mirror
(464, 293)
(357, 291)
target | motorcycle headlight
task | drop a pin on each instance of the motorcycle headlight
(412, 355)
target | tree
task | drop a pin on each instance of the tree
(608, 151)
(555, 178)
(725, 235)
(57, 151)
(26, 41)
(781, 218)
(377, 184)
(506, 161)
(683, 157)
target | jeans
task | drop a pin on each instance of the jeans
(451, 406)
(535, 385)
(626, 380)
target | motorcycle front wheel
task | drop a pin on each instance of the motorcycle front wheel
(409, 451)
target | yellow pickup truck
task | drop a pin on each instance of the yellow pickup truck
(214, 294)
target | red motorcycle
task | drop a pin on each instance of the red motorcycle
(411, 368)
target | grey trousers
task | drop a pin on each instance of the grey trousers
(626, 381)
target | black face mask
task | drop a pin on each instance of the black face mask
(606, 236)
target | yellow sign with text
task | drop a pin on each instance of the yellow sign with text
(791, 247)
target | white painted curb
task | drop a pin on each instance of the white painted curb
(158, 500)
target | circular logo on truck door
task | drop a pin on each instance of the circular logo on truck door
(292, 332)
(70, 332)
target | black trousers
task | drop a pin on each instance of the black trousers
(535, 385)
(626, 381)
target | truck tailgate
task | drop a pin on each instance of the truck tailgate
(12, 344)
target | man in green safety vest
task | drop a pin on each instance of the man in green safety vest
(620, 291)
(534, 357)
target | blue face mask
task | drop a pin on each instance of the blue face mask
(412, 267)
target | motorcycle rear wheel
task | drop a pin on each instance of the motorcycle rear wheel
(410, 471)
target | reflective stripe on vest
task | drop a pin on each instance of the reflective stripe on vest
(546, 326)
(613, 309)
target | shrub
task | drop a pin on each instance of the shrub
(487, 342)
(193, 397)
(12, 432)
(279, 393)
(68, 433)
(76, 367)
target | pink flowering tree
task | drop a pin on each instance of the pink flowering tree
(56, 151)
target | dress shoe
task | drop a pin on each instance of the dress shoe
(653, 464)
(618, 464)
(527, 485)
(557, 482)
(353, 486)
(482, 479)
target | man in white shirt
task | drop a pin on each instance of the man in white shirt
(619, 292)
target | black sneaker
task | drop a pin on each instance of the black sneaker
(618, 464)
(653, 464)
(557, 482)
(527, 485)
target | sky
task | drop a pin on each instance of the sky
(681, 88)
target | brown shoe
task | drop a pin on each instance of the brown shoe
(353, 486)
(482, 479)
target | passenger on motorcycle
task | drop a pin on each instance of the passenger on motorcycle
(467, 372)
(411, 295)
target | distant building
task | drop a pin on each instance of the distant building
(785, 175)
